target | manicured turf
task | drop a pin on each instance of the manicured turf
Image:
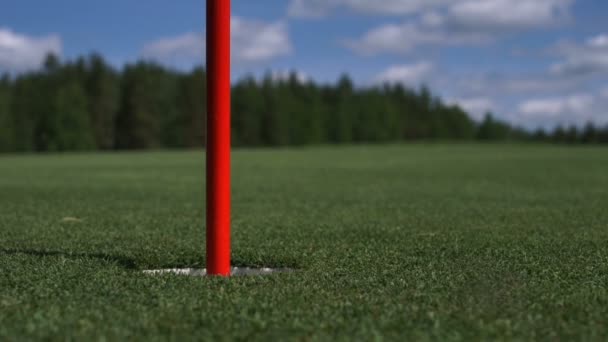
(427, 242)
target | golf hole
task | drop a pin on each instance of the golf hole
(235, 271)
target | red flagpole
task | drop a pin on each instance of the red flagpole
(218, 137)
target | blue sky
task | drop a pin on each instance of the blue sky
(532, 62)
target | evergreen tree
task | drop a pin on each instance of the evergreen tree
(248, 106)
(148, 116)
(559, 134)
(602, 136)
(103, 90)
(540, 135)
(70, 123)
(342, 105)
(31, 101)
(192, 107)
(572, 136)
(590, 134)
(85, 104)
(491, 129)
(274, 123)
(311, 111)
(6, 119)
(456, 123)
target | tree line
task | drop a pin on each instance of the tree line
(86, 104)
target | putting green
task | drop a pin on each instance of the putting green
(424, 242)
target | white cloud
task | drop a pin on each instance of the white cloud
(311, 8)
(539, 83)
(188, 45)
(574, 109)
(506, 15)
(598, 41)
(19, 52)
(576, 105)
(502, 84)
(529, 100)
(252, 41)
(258, 41)
(458, 22)
(466, 14)
(321, 8)
(402, 39)
(588, 58)
(411, 74)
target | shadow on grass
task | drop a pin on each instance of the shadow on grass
(125, 262)
(244, 261)
(256, 260)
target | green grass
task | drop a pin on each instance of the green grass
(426, 242)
